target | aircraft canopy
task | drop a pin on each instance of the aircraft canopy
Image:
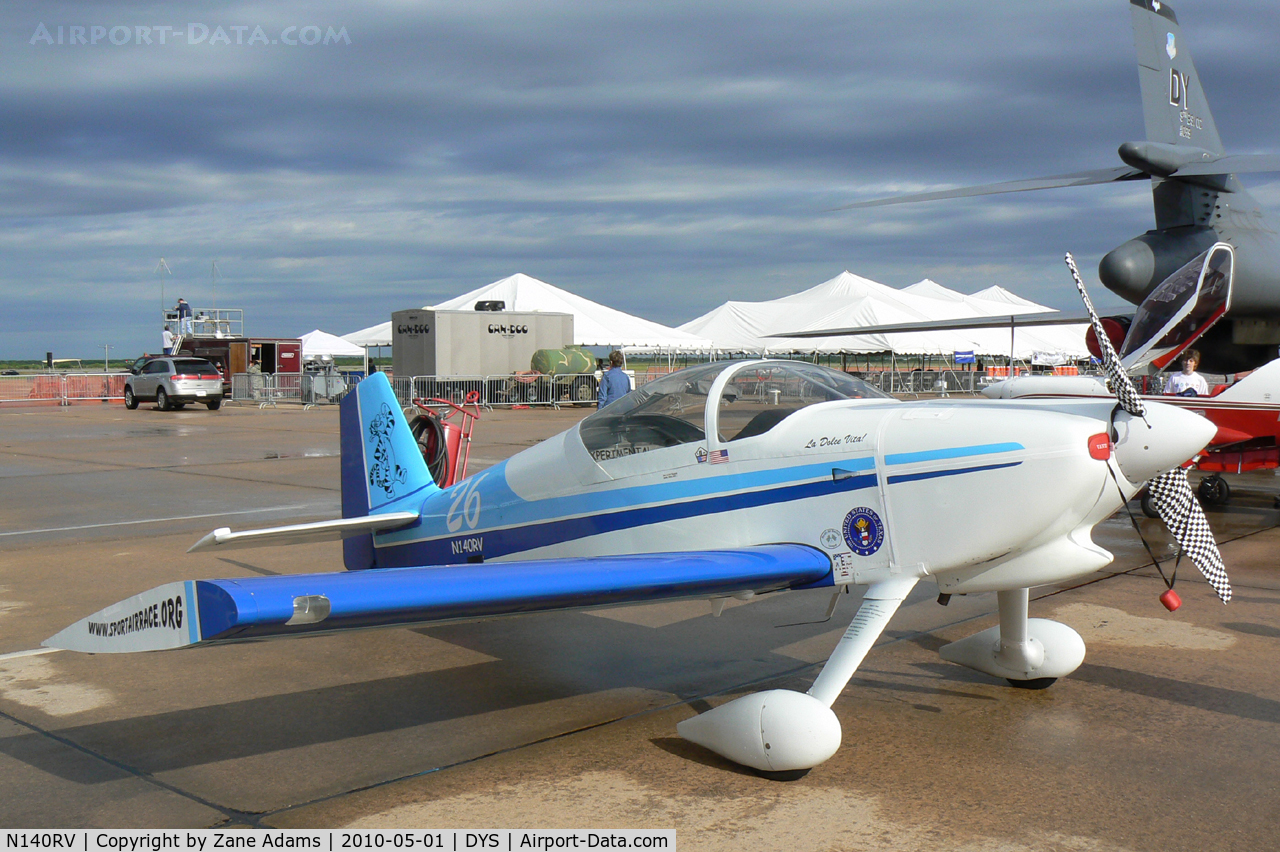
(728, 400)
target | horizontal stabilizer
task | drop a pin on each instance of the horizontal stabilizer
(224, 539)
(1093, 176)
(201, 611)
(1235, 164)
(1029, 320)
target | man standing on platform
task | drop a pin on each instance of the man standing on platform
(184, 316)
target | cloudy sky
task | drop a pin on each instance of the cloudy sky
(660, 157)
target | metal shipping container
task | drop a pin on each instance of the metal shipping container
(473, 343)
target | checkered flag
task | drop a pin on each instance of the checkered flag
(1177, 507)
(1117, 378)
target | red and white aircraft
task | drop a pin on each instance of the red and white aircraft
(1247, 414)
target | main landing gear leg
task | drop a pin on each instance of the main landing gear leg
(1030, 653)
(783, 731)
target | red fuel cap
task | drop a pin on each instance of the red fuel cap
(1100, 446)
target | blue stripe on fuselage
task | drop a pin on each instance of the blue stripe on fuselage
(952, 453)
(934, 474)
(663, 492)
(503, 542)
(501, 507)
(525, 525)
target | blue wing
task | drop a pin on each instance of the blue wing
(205, 611)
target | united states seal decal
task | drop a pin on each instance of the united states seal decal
(863, 531)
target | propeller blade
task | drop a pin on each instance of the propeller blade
(1170, 492)
(1177, 506)
(1117, 378)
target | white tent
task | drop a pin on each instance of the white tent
(850, 300)
(869, 311)
(374, 335)
(746, 327)
(316, 343)
(934, 290)
(1000, 295)
(593, 324)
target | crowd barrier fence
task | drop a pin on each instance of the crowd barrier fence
(494, 391)
(509, 390)
(269, 389)
(62, 388)
(925, 381)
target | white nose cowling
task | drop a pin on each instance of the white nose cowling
(774, 731)
(1169, 437)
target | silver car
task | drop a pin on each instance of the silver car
(174, 382)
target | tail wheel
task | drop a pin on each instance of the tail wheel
(130, 401)
(162, 399)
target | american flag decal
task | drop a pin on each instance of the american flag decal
(718, 456)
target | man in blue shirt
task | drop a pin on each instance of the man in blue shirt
(184, 316)
(614, 385)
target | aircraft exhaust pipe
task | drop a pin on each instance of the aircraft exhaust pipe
(1134, 269)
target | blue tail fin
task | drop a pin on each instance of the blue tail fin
(382, 467)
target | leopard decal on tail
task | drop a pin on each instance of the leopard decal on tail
(384, 472)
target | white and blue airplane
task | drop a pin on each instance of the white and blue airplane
(733, 478)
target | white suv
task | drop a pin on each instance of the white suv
(173, 382)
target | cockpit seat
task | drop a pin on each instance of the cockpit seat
(763, 422)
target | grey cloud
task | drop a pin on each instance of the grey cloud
(660, 157)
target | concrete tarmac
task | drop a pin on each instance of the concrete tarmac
(1166, 738)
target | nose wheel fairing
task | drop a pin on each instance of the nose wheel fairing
(1019, 648)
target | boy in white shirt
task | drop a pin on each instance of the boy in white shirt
(1188, 382)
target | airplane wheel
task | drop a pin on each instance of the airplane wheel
(162, 399)
(1148, 506)
(1213, 491)
(783, 775)
(1033, 683)
(130, 401)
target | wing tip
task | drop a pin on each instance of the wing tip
(210, 541)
